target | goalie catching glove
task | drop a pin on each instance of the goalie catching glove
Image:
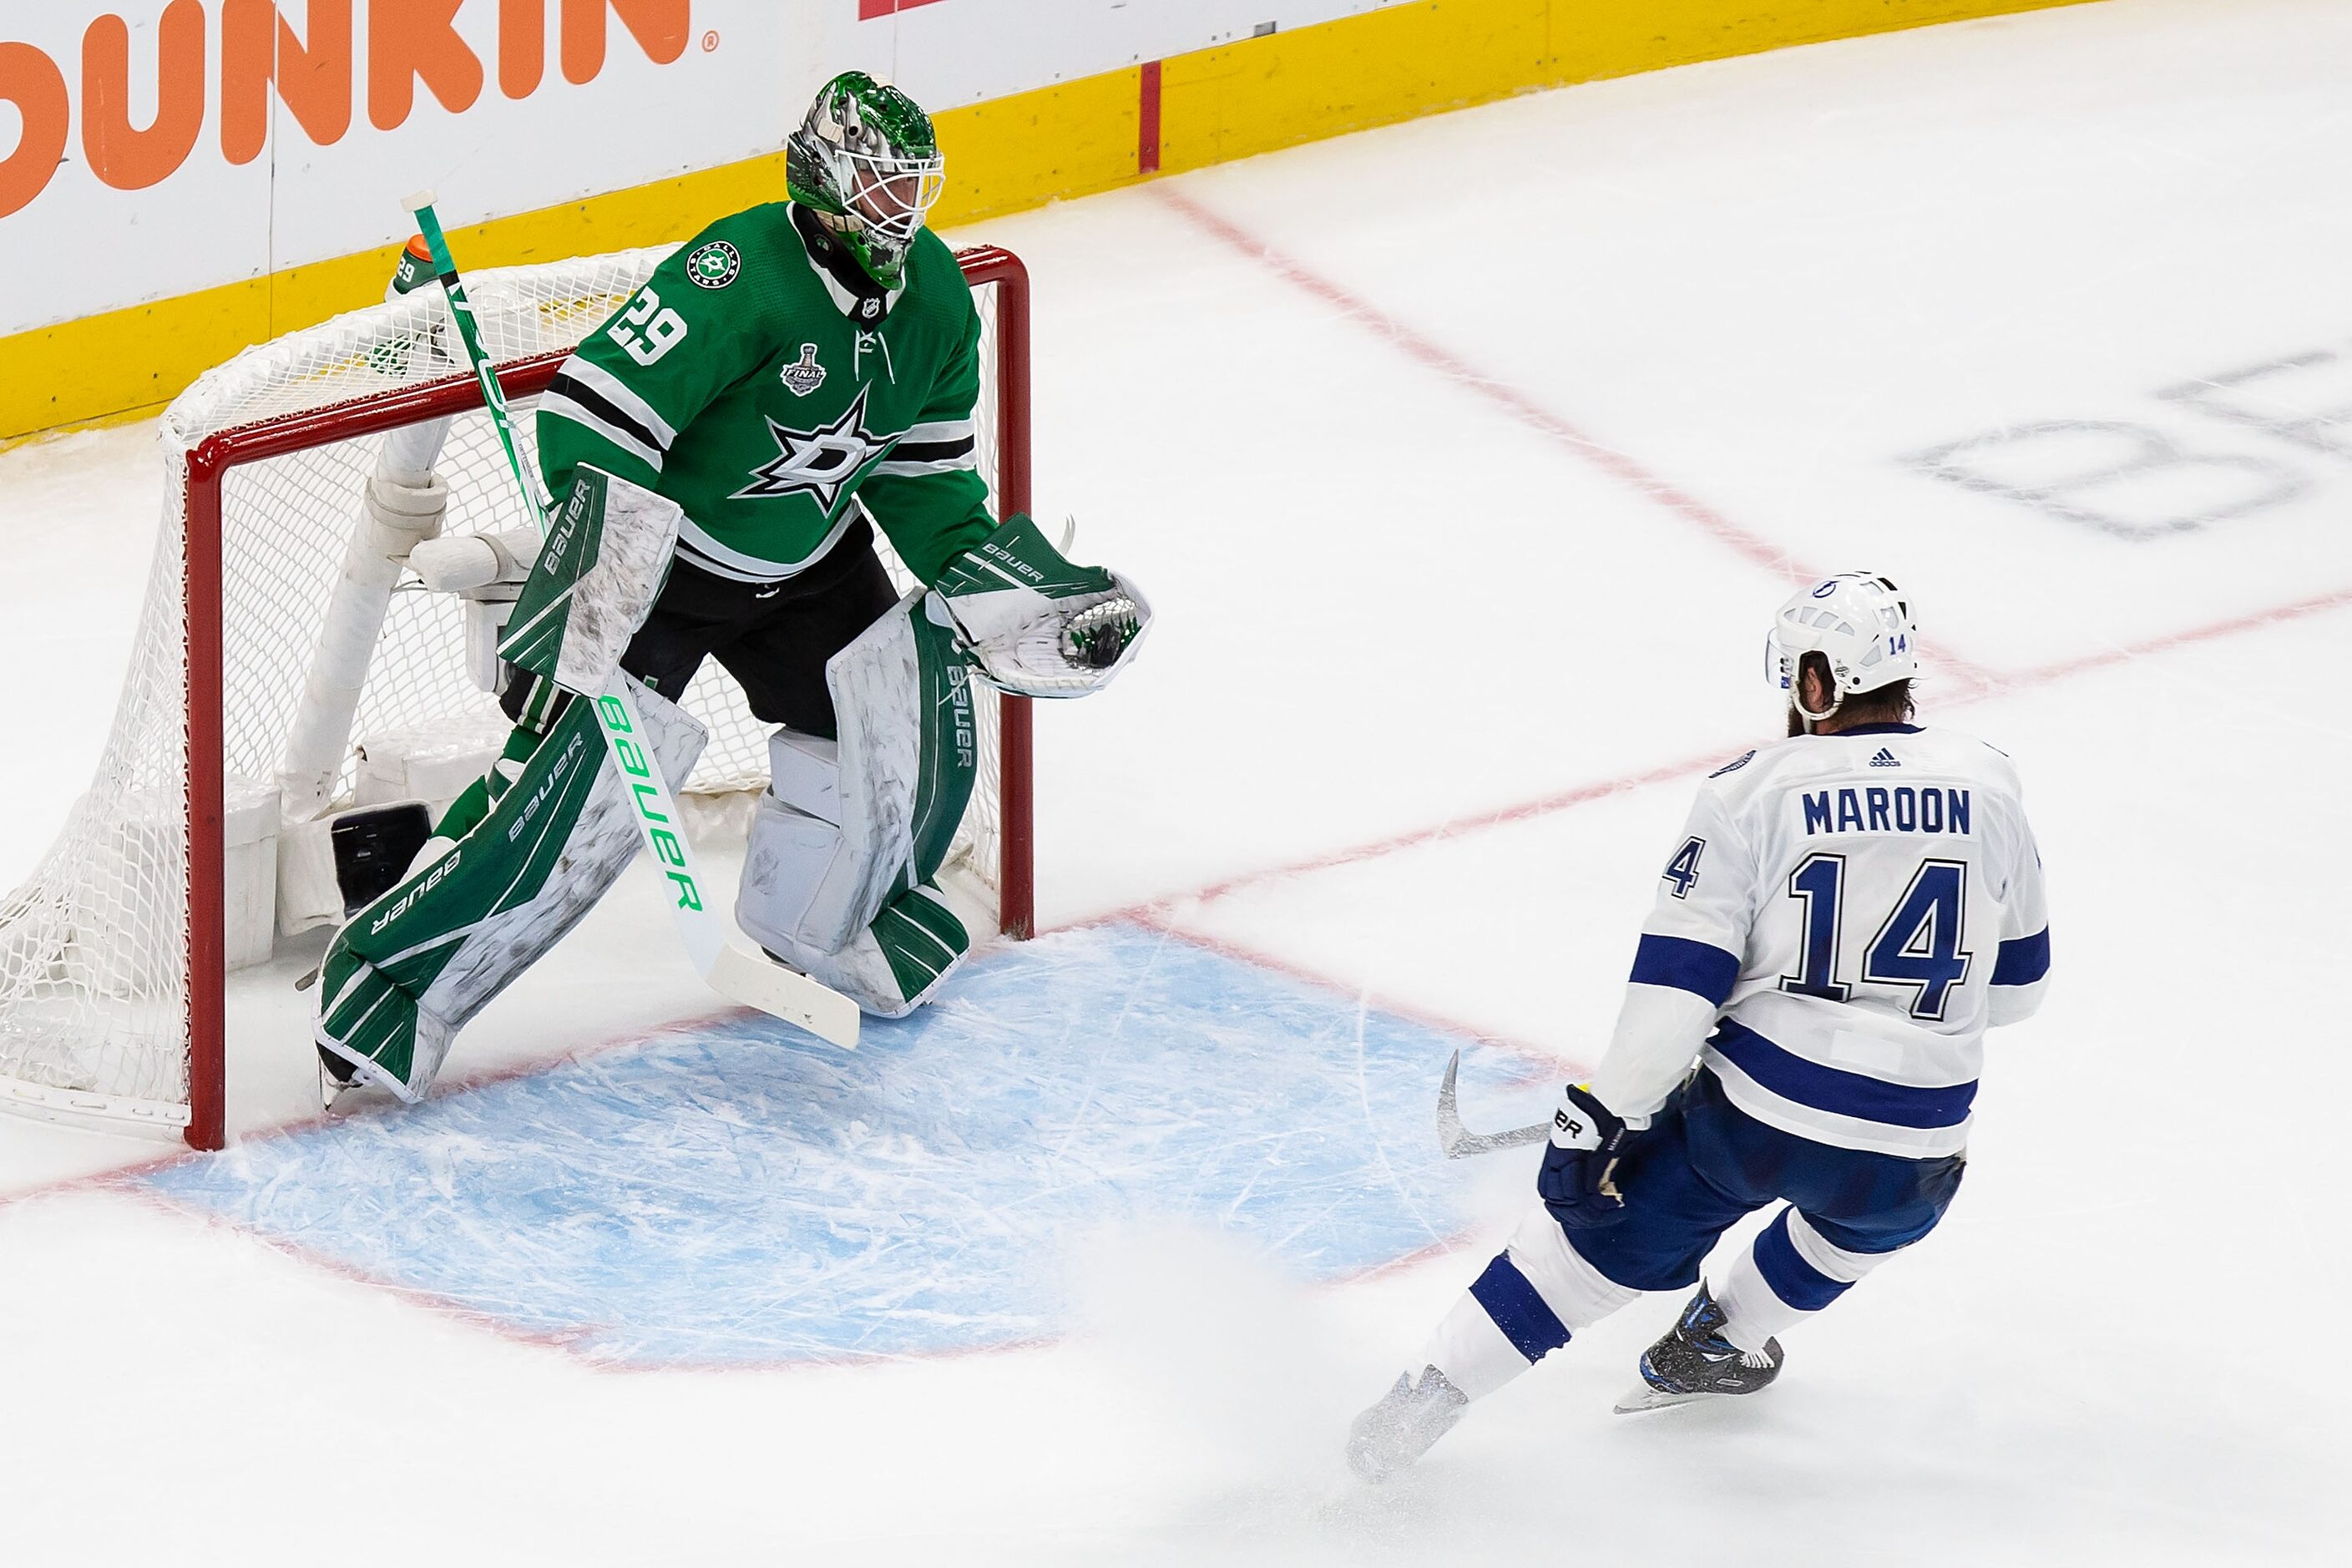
(1033, 624)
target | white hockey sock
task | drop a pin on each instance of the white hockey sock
(1476, 1356)
(1790, 1273)
(1525, 1305)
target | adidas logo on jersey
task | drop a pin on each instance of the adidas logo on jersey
(1886, 759)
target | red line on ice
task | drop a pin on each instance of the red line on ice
(1520, 406)
(1225, 947)
(2256, 620)
(1982, 685)
(1771, 557)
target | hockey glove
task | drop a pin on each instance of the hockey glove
(1577, 1182)
(1034, 625)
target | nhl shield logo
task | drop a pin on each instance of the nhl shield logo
(804, 375)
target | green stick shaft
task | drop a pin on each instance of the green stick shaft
(527, 478)
(656, 808)
(770, 986)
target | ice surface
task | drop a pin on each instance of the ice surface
(1455, 457)
(733, 1191)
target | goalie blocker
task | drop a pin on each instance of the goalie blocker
(840, 874)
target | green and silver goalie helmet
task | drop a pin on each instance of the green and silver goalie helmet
(865, 160)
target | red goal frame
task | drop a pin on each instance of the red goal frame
(208, 466)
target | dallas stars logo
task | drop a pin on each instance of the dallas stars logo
(714, 266)
(820, 463)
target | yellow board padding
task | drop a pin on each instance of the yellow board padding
(1022, 152)
(127, 363)
(1073, 138)
(1425, 58)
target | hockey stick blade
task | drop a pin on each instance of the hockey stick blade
(1458, 1141)
(759, 981)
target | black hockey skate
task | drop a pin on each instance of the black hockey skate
(1409, 1419)
(1695, 1362)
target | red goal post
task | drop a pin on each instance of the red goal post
(998, 278)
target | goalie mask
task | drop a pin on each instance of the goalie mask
(865, 162)
(1860, 623)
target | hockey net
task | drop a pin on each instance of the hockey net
(113, 953)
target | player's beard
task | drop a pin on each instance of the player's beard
(1796, 720)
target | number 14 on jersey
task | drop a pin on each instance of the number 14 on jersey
(1918, 945)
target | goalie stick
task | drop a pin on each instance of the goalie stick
(753, 981)
(1458, 1141)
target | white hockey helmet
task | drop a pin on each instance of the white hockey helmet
(1859, 621)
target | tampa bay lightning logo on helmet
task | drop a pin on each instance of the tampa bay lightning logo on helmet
(1858, 621)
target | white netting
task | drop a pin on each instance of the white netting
(94, 988)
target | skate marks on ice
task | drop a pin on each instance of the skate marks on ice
(730, 1192)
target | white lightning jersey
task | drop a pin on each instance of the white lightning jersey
(1846, 913)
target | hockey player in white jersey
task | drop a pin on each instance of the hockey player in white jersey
(1844, 915)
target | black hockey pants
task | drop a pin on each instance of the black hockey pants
(774, 638)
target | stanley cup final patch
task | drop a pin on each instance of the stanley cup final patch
(803, 376)
(714, 266)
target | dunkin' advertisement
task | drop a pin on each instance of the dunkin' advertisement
(152, 148)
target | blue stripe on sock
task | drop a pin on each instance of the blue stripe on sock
(1793, 1279)
(1517, 1310)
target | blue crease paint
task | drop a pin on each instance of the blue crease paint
(735, 1192)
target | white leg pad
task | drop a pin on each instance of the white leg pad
(805, 875)
(848, 828)
(897, 963)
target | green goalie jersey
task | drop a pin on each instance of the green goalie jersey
(761, 392)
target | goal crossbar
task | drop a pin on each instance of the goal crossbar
(209, 462)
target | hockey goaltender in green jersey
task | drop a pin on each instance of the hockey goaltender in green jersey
(721, 452)
(767, 393)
